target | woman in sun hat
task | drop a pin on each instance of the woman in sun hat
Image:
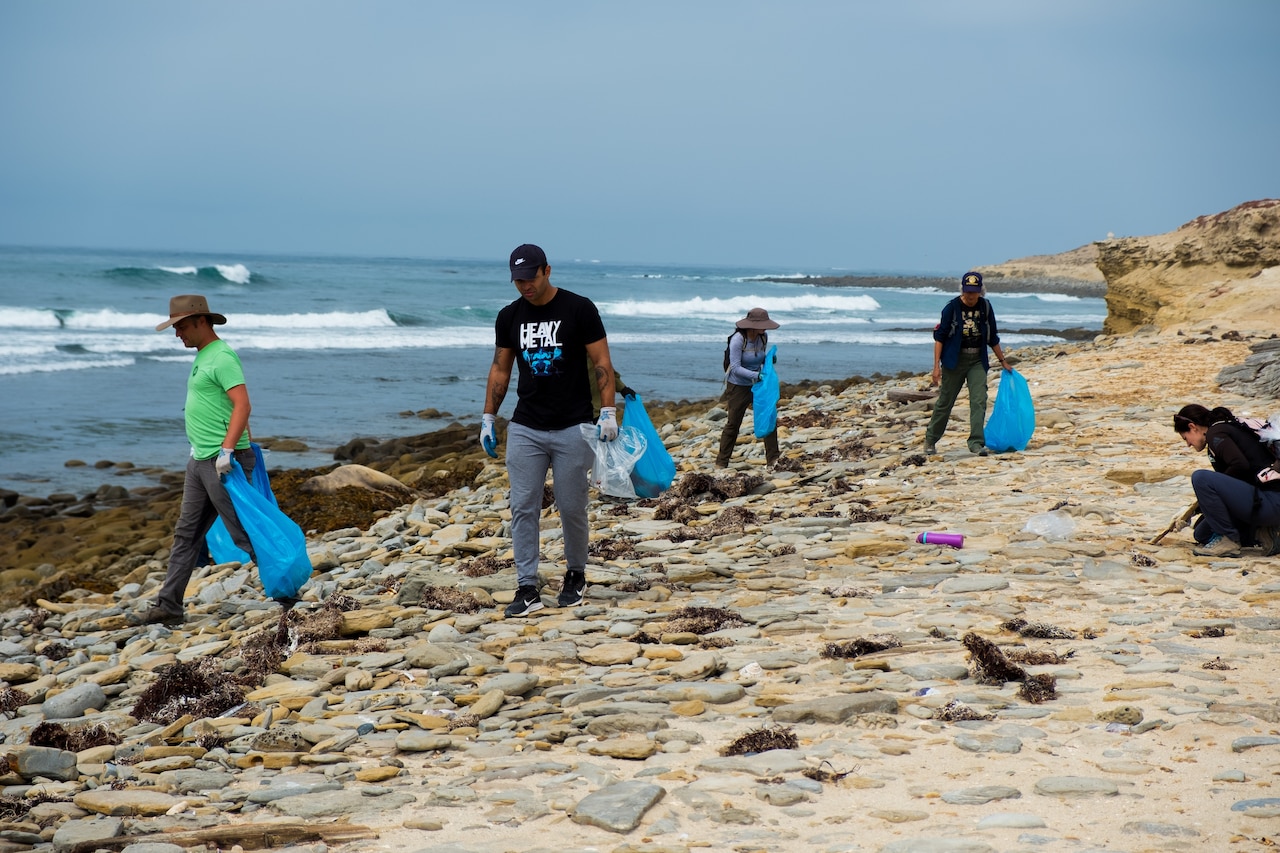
(747, 348)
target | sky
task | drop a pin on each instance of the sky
(913, 135)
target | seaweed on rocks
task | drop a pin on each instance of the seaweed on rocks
(1037, 658)
(860, 514)
(817, 774)
(702, 620)
(990, 666)
(56, 651)
(76, 739)
(1038, 630)
(16, 809)
(805, 420)
(1039, 688)
(762, 740)
(1208, 632)
(849, 450)
(861, 646)
(1216, 663)
(486, 565)
(846, 591)
(613, 548)
(442, 598)
(199, 688)
(11, 699)
(324, 623)
(955, 711)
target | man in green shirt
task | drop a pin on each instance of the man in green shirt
(217, 420)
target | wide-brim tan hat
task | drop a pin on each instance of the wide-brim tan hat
(189, 305)
(757, 318)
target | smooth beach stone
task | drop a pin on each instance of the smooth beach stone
(125, 803)
(988, 743)
(44, 761)
(73, 702)
(338, 803)
(1076, 786)
(936, 671)
(979, 796)
(1166, 830)
(836, 709)
(973, 583)
(618, 807)
(1265, 803)
(1241, 744)
(937, 845)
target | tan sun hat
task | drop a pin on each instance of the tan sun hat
(757, 318)
(189, 305)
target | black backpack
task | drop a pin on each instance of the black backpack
(763, 335)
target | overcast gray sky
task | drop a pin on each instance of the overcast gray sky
(914, 135)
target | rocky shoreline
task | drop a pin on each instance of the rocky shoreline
(765, 661)
(996, 283)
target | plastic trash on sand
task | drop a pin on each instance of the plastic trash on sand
(1051, 525)
(932, 537)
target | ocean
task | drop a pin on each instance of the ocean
(336, 348)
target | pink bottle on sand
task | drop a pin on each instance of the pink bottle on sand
(955, 540)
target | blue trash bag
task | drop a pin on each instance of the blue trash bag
(764, 396)
(221, 546)
(278, 542)
(1013, 416)
(656, 469)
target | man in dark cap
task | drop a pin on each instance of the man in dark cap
(960, 342)
(217, 420)
(551, 333)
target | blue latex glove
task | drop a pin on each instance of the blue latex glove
(223, 463)
(607, 425)
(488, 437)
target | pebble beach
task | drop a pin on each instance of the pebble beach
(766, 660)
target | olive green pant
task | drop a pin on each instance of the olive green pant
(736, 399)
(968, 370)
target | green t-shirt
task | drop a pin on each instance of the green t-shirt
(208, 410)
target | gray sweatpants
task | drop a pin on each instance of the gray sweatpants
(530, 454)
(204, 498)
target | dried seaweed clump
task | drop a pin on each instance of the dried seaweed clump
(817, 774)
(786, 463)
(694, 484)
(72, 740)
(56, 651)
(990, 666)
(1039, 688)
(443, 598)
(11, 699)
(613, 548)
(861, 646)
(804, 420)
(325, 623)
(1032, 657)
(955, 711)
(464, 721)
(486, 565)
(849, 450)
(702, 620)
(861, 514)
(711, 643)
(199, 688)
(846, 591)
(1209, 632)
(762, 740)
(1216, 663)
(15, 809)
(1142, 560)
(1038, 630)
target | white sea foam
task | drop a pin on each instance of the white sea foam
(60, 366)
(237, 273)
(27, 318)
(735, 307)
(181, 270)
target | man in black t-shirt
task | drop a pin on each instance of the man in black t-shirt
(550, 333)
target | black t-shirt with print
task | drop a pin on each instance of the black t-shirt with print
(551, 353)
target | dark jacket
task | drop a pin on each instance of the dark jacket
(1235, 450)
(950, 334)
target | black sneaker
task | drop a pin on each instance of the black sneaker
(526, 601)
(571, 593)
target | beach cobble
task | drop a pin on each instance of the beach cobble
(779, 665)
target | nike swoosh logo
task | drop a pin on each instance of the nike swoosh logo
(519, 261)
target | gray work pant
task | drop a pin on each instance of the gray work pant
(204, 499)
(530, 454)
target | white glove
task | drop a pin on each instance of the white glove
(223, 464)
(607, 425)
(488, 438)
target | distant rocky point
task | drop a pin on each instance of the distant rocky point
(1221, 270)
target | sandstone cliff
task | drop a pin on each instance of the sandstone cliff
(1221, 270)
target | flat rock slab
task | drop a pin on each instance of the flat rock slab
(618, 808)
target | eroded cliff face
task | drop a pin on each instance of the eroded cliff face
(1222, 269)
